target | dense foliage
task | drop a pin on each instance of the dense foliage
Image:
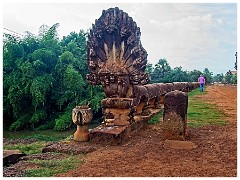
(44, 79)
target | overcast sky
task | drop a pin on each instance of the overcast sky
(194, 36)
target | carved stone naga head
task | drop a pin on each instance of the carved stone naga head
(115, 56)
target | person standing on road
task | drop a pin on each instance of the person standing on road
(201, 81)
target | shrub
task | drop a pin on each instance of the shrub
(64, 121)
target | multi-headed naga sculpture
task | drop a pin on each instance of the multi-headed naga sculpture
(117, 61)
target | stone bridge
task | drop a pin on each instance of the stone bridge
(117, 60)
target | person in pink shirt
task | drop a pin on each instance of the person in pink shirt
(201, 81)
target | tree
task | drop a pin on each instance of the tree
(218, 78)
(44, 79)
(208, 75)
(234, 79)
(14, 99)
(194, 75)
(160, 72)
(178, 75)
(149, 68)
(228, 77)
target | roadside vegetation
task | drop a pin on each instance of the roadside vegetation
(31, 148)
(49, 168)
(156, 118)
(200, 113)
(45, 167)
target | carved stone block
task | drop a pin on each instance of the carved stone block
(117, 103)
(169, 87)
(121, 116)
(81, 116)
(175, 115)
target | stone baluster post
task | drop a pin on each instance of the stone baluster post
(81, 116)
(175, 115)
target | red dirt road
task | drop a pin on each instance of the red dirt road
(144, 154)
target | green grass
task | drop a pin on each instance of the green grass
(43, 135)
(200, 113)
(49, 168)
(32, 148)
(156, 118)
(196, 92)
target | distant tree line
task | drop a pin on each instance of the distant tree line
(44, 78)
(228, 78)
(162, 72)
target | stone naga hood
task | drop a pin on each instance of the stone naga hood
(115, 56)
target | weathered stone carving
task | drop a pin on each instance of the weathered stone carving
(175, 115)
(117, 61)
(116, 58)
(81, 116)
(11, 156)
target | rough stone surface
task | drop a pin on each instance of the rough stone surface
(121, 116)
(81, 116)
(115, 56)
(81, 134)
(117, 103)
(112, 135)
(11, 156)
(175, 115)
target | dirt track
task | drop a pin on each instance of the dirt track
(145, 156)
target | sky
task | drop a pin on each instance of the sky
(190, 35)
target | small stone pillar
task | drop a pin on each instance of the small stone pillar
(81, 116)
(175, 115)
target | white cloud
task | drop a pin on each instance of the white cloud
(190, 40)
(184, 34)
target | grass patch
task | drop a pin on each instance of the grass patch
(51, 167)
(43, 137)
(201, 113)
(196, 92)
(33, 148)
(156, 118)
